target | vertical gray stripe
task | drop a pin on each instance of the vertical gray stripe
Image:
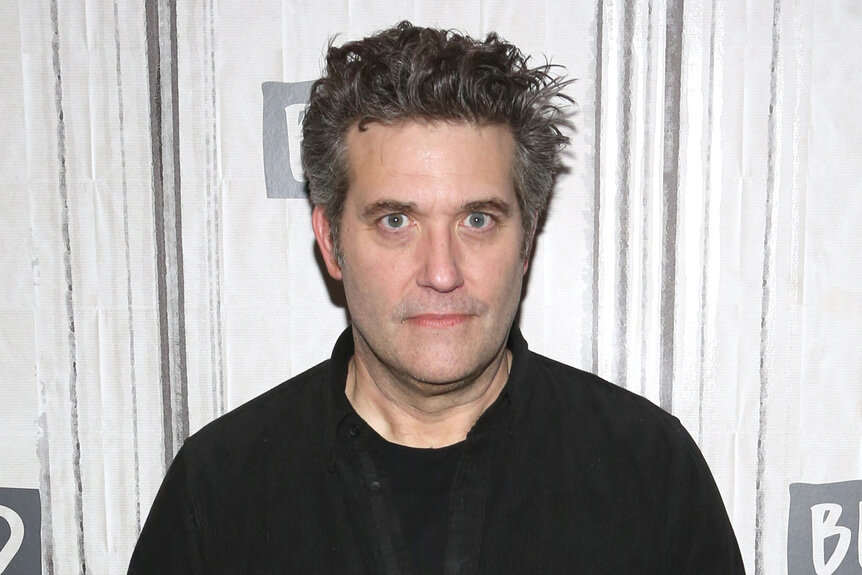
(208, 185)
(181, 405)
(43, 447)
(670, 193)
(217, 212)
(133, 388)
(214, 216)
(154, 75)
(624, 168)
(766, 319)
(164, 134)
(597, 186)
(70, 300)
(705, 251)
(44, 452)
(646, 187)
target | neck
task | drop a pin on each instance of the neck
(420, 414)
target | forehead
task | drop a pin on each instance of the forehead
(414, 158)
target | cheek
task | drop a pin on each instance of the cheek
(372, 282)
(381, 267)
(498, 278)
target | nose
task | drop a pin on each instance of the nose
(439, 259)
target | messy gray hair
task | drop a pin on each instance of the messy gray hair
(412, 73)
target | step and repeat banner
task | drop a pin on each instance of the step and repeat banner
(158, 266)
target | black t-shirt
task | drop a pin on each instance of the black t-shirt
(564, 473)
(420, 481)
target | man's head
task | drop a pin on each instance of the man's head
(430, 156)
(408, 73)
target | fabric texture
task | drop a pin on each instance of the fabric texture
(564, 473)
(420, 481)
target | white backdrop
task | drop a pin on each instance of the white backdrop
(702, 249)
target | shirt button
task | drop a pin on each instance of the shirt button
(374, 486)
(353, 430)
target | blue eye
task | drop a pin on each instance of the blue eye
(394, 221)
(478, 220)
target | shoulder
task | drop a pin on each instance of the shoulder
(560, 386)
(286, 414)
(591, 416)
(636, 460)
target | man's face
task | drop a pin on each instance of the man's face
(431, 238)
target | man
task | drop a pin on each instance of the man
(433, 441)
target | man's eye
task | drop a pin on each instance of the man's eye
(394, 221)
(478, 220)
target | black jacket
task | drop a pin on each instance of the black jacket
(564, 473)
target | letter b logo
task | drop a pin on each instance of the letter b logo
(824, 524)
(823, 535)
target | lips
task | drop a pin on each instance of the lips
(437, 320)
(435, 312)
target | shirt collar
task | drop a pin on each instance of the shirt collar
(339, 407)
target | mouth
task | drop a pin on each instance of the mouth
(438, 320)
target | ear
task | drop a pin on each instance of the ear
(321, 226)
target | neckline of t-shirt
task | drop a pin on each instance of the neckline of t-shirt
(417, 452)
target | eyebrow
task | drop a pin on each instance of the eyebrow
(383, 207)
(492, 205)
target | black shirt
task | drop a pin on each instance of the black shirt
(563, 473)
(420, 481)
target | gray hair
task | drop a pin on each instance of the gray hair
(408, 72)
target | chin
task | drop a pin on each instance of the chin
(448, 369)
(450, 378)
